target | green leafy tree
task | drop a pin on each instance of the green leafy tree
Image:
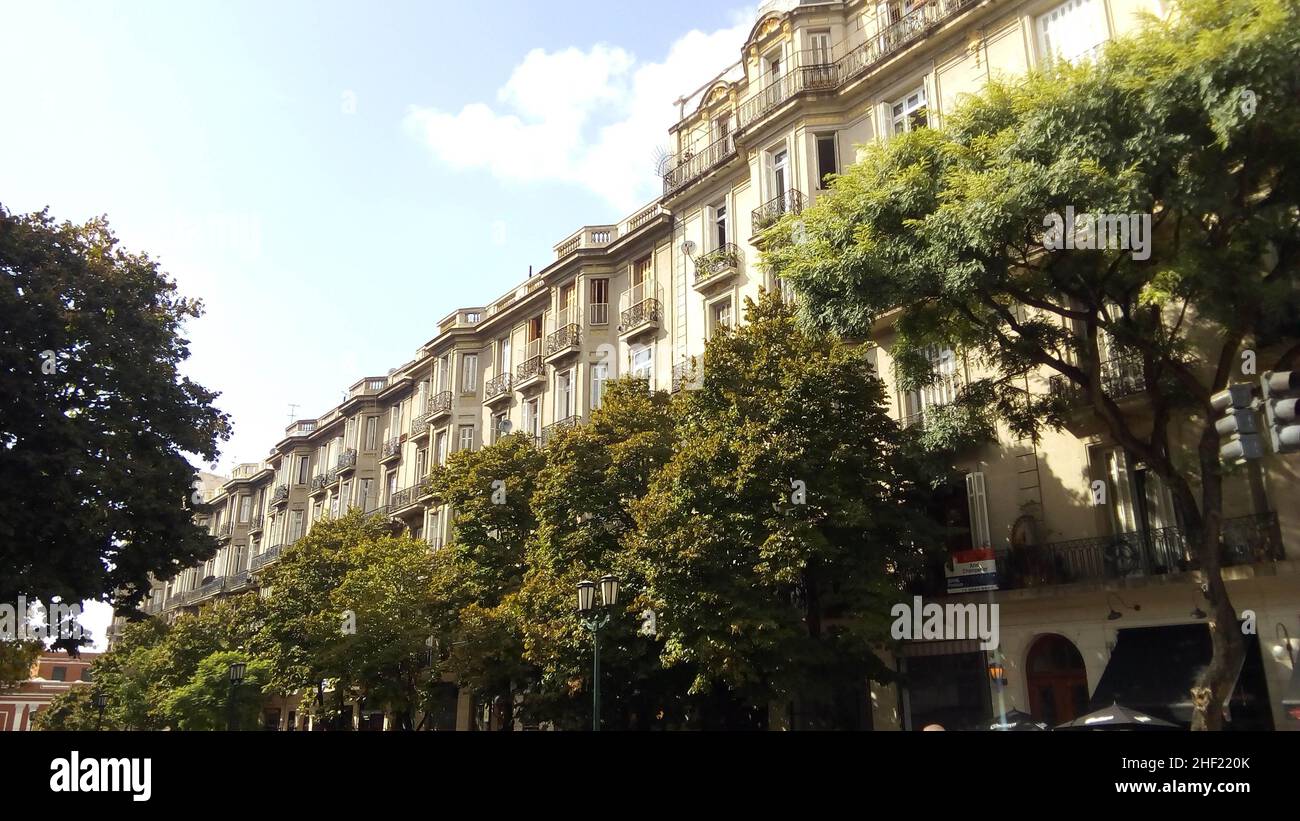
(16, 660)
(208, 701)
(382, 646)
(301, 621)
(775, 540)
(72, 710)
(95, 417)
(593, 473)
(479, 573)
(1193, 121)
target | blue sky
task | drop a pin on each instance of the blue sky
(331, 178)
(312, 172)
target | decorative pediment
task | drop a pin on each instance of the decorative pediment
(765, 26)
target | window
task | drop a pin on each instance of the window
(564, 394)
(498, 425)
(599, 301)
(304, 466)
(346, 493)
(532, 419)
(941, 391)
(237, 559)
(503, 355)
(59, 674)
(334, 507)
(422, 461)
(245, 507)
(641, 270)
(721, 127)
(391, 485)
(372, 432)
(780, 172)
(599, 376)
(443, 375)
(909, 113)
(295, 531)
(720, 315)
(367, 490)
(720, 224)
(1073, 31)
(469, 372)
(440, 447)
(466, 438)
(351, 432)
(827, 159)
(395, 421)
(819, 44)
(642, 361)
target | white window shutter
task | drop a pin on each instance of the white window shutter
(977, 499)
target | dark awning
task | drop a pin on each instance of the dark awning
(1153, 669)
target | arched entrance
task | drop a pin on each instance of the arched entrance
(1058, 682)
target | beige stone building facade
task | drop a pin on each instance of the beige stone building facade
(1085, 590)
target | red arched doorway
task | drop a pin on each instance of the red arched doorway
(1058, 683)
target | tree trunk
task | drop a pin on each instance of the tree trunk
(1204, 527)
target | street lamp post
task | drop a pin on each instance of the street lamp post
(595, 620)
(236, 678)
(100, 702)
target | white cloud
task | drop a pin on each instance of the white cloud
(593, 118)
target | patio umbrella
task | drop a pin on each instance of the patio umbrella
(1017, 720)
(1116, 717)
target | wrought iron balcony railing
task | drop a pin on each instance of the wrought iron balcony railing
(321, 481)
(280, 494)
(789, 202)
(721, 260)
(1244, 540)
(402, 498)
(420, 425)
(897, 36)
(438, 404)
(563, 338)
(347, 459)
(812, 71)
(498, 385)
(392, 447)
(530, 367)
(690, 164)
(225, 531)
(1120, 377)
(266, 557)
(549, 431)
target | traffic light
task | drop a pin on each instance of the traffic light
(1238, 422)
(1281, 394)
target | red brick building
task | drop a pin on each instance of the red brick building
(52, 673)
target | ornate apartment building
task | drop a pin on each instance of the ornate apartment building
(1092, 597)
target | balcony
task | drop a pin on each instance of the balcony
(266, 557)
(321, 482)
(767, 214)
(347, 461)
(717, 266)
(682, 377)
(1121, 377)
(931, 399)
(437, 405)
(403, 499)
(813, 71)
(530, 372)
(237, 581)
(497, 388)
(392, 449)
(280, 495)
(897, 36)
(225, 531)
(640, 310)
(1245, 540)
(420, 425)
(690, 165)
(209, 589)
(592, 236)
(549, 431)
(256, 523)
(563, 340)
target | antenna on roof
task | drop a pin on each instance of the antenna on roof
(530, 272)
(293, 411)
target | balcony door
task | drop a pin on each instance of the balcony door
(941, 391)
(1139, 511)
(780, 173)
